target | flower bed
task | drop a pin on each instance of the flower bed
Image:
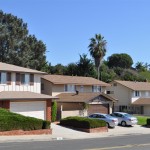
(94, 130)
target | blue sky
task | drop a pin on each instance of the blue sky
(66, 26)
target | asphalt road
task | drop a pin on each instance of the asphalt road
(130, 142)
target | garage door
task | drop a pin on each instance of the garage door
(98, 108)
(35, 109)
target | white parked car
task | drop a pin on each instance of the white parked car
(125, 118)
(111, 121)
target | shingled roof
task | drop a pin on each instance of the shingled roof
(23, 95)
(82, 97)
(76, 80)
(14, 68)
(136, 86)
(142, 101)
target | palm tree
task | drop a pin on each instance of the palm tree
(97, 49)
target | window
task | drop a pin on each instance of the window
(27, 79)
(66, 88)
(81, 88)
(70, 88)
(96, 88)
(123, 108)
(110, 92)
(22, 78)
(31, 79)
(17, 78)
(2, 77)
(8, 78)
(137, 93)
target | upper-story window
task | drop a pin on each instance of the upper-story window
(147, 93)
(5, 78)
(110, 92)
(70, 88)
(8, 78)
(24, 79)
(137, 93)
(96, 88)
(31, 79)
(17, 78)
(81, 88)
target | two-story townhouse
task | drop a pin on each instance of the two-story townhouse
(132, 96)
(20, 92)
(75, 93)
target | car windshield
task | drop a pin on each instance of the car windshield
(108, 116)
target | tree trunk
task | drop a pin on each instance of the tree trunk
(98, 68)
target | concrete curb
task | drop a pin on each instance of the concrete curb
(62, 133)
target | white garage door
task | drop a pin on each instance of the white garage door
(35, 109)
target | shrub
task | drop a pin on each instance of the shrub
(148, 121)
(12, 121)
(54, 111)
(82, 122)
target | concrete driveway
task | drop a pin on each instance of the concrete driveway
(66, 133)
(62, 133)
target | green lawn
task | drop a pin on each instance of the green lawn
(142, 119)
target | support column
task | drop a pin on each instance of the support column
(48, 109)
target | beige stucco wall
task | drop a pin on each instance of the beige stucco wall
(122, 93)
(58, 88)
(55, 89)
(47, 87)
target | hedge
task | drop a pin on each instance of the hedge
(54, 111)
(148, 121)
(82, 122)
(12, 121)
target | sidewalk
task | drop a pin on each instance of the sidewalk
(62, 133)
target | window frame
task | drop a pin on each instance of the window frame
(69, 88)
(31, 79)
(3, 78)
(18, 79)
(96, 88)
(8, 78)
(136, 93)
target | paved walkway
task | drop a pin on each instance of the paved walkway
(62, 133)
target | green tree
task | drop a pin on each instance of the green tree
(97, 49)
(139, 66)
(54, 111)
(17, 46)
(107, 75)
(85, 66)
(59, 69)
(120, 60)
(72, 69)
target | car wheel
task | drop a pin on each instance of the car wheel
(123, 123)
